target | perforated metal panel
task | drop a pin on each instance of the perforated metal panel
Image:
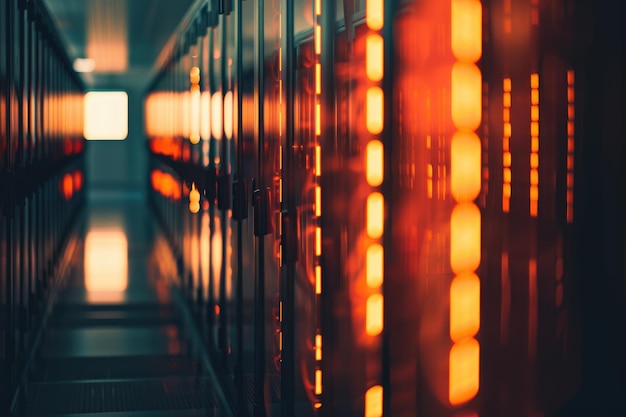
(74, 369)
(138, 395)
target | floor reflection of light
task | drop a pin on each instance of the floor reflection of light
(204, 252)
(106, 263)
(216, 254)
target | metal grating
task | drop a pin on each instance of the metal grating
(73, 369)
(102, 397)
(114, 318)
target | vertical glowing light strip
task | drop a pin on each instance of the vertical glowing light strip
(534, 12)
(317, 12)
(570, 147)
(374, 176)
(194, 91)
(534, 144)
(506, 145)
(485, 146)
(507, 17)
(465, 239)
(280, 166)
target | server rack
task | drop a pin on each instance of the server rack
(402, 194)
(42, 178)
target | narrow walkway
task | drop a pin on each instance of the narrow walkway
(114, 344)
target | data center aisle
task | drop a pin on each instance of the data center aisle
(114, 344)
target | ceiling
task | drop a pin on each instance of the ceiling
(123, 37)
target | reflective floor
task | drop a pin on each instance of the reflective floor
(115, 343)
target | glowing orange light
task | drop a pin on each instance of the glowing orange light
(534, 192)
(194, 133)
(506, 117)
(318, 347)
(506, 190)
(466, 96)
(506, 159)
(467, 30)
(534, 177)
(375, 215)
(465, 166)
(216, 115)
(318, 382)
(374, 156)
(506, 85)
(194, 75)
(205, 239)
(318, 160)
(78, 180)
(194, 199)
(534, 160)
(194, 207)
(374, 401)
(374, 14)
(464, 371)
(106, 260)
(534, 129)
(506, 175)
(506, 100)
(374, 259)
(228, 115)
(534, 113)
(216, 252)
(318, 39)
(318, 78)
(570, 146)
(318, 7)
(534, 144)
(534, 81)
(374, 50)
(318, 279)
(534, 97)
(68, 186)
(374, 110)
(205, 118)
(374, 314)
(464, 307)
(318, 201)
(318, 241)
(465, 238)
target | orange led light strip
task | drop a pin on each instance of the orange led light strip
(570, 147)
(465, 220)
(506, 145)
(534, 144)
(317, 204)
(374, 176)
